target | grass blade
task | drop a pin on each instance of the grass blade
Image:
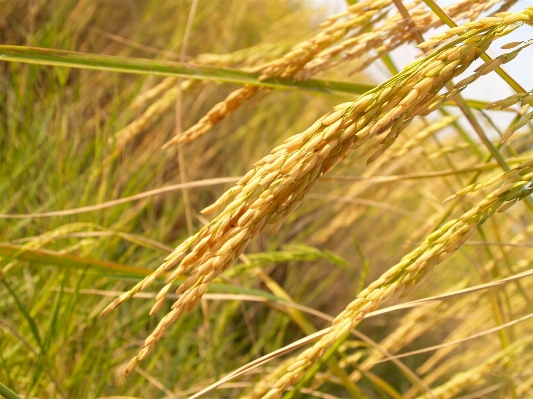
(61, 58)
(56, 259)
(8, 393)
(29, 319)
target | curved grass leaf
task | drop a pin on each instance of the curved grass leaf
(143, 66)
(8, 393)
(43, 56)
(31, 323)
(53, 258)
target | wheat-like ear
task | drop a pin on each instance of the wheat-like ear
(270, 192)
(524, 98)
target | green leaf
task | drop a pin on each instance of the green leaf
(63, 260)
(143, 66)
(26, 314)
(8, 393)
(43, 56)
(380, 384)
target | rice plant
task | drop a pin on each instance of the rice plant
(306, 226)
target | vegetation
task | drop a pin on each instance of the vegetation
(326, 235)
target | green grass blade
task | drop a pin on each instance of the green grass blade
(63, 260)
(26, 314)
(8, 393)
(61, 58)
(52, 322)
(51, 57)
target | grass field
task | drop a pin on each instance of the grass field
(240, 168)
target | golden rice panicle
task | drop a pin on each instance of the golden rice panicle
(371, 12)
(359, 15)
(520, 173)
(271, 191)
(395, 31)
(262, 200)
(219, 112)
(524, 98)
(336, 27)
(390, 34)
(437, 247)
(417, 93)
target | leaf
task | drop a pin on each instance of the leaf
(143, 66)
(7, 393)
(56, 259)
(43, 56)
(25, 313)
(380, 384)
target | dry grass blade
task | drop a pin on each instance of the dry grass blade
(225, 180)
(136, 197)
(366, 202)
(479, 394)
(262, 360)
(457, 342)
